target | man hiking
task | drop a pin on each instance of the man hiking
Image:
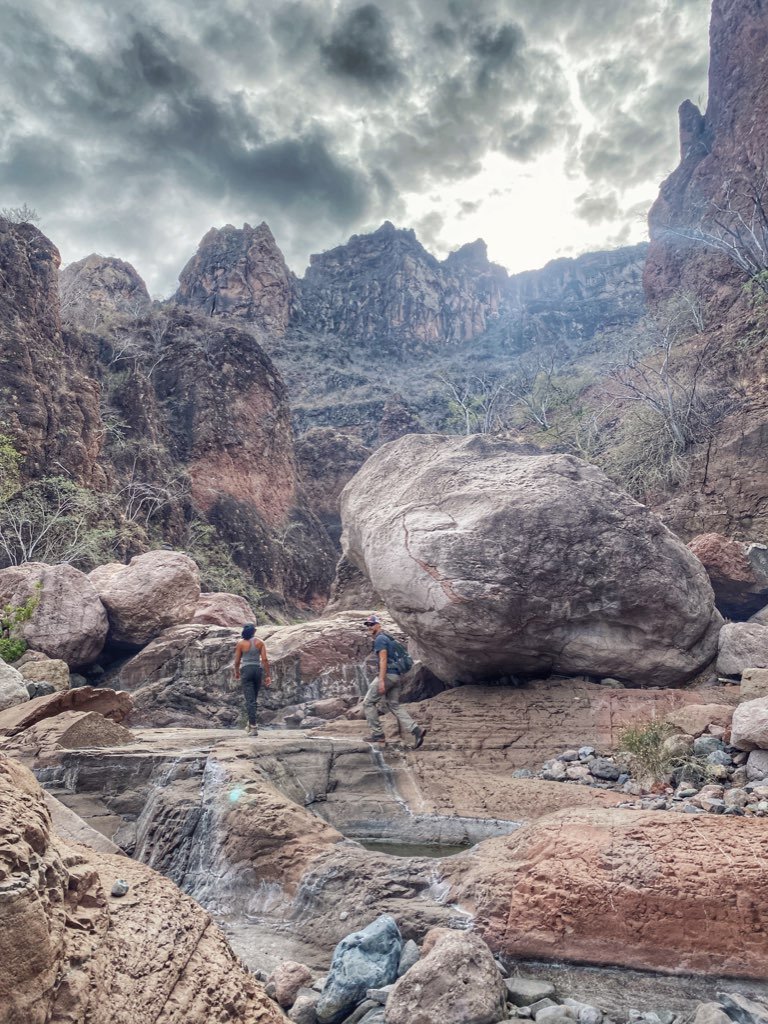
(384, 691)
(251, 665)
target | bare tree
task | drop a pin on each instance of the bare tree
(736, 224)
(141, 501)
(672, 381)
(475, 400)
(20, 214)
(535, 388)
(49, 522)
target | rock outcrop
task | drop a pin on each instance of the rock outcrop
(737, 572)
(721, 177)
(386, 288)
(109, 703)
(184, 677)
(153, 592)
(72, 953)
(94, 288)
(497, 562)
(69, 621)
(722, 160)
(240, 273)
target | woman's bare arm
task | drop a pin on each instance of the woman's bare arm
(265, 663)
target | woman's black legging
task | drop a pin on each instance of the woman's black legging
(250, 680)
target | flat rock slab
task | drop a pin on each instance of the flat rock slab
(542, 892)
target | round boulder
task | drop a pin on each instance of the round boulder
(362, 960)
(13, 689)
(154, 591)
(220, 609)
(496, 560)
(69, 622)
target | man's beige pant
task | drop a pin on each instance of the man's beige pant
(373, 702)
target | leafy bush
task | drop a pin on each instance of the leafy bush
(218, 571)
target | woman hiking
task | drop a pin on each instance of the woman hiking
(251, 666)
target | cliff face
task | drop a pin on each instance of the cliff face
(162, 410)
(240, 273)
(50, 409)
(721, 177)
(723, 159)
(384, 292)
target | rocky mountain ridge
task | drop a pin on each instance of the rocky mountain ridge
(384, 290)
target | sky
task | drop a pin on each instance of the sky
(543, 126)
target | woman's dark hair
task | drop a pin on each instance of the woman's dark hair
(249, 631)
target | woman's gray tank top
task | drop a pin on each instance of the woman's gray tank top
(252, 656)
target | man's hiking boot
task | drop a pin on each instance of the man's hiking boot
(251, 730)
(418, 735)
(374, 739)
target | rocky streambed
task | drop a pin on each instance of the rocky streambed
(269, 834)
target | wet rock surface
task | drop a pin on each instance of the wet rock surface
(71, 952)
(446, 529)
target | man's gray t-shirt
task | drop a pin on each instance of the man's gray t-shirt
(384, 643)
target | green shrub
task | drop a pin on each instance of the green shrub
(12, 648)
(11, 617)
(218, 570)
(10, 462)
(648, 759)
(645, 745)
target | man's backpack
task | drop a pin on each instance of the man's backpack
(401, 659)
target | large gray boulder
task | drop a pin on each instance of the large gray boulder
(154, 591)
(69, 621)
(496, 560)
(362, 960)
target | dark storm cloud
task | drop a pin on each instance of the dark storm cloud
(140, 125)
(360, 47)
